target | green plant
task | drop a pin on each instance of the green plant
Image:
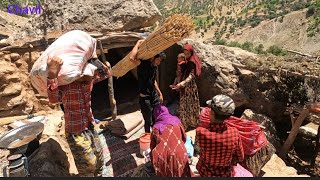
(234, 44)
(247, 46)
(276, 50)
(259, 49)
(220, 42)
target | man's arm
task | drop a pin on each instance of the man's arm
(240, 151)
(158, 90)
(53, 93)
(200, 137)
(54, 66)
(134, 51)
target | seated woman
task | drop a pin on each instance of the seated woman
(168, 153)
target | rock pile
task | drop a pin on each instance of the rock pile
(16, 93)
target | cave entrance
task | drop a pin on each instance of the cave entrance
(126, 87)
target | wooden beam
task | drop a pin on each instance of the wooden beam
(293, 133)
(110, 84)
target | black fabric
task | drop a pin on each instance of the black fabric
(147, 105)
(147, 73)
(190, 66)
(183, 67)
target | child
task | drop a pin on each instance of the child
(181, 66)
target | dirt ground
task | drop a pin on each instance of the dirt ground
(53, 130)
(302, 164)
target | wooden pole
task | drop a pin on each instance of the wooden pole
(293, 133)
(110, 84)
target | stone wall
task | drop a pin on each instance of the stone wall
(17, 96)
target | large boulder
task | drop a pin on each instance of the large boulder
(219, 72)
(102, 16)
(50, 160)
(270, 129)
(276, 167)
(240, 74)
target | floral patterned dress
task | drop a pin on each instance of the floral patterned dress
(189, 109)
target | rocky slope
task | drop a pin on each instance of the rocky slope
(290, 34)
(282, 23)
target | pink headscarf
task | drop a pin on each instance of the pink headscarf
(194, 58)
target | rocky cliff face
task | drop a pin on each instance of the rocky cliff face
(93, 16)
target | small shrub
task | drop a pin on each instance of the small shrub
(220, 42)
(276, 50)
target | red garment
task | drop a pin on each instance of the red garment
(194, 58)
(252, 135)
(221, 148)
(168, 153)
(76, 100)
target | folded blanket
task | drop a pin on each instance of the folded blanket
(119, 131)
(124, 125)
(127, 136)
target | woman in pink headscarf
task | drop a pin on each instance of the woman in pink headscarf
(189, 108)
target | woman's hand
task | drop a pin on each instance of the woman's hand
(161, 98)
(176, 87)
(54, 66)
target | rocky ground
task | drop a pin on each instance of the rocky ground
(54, 157)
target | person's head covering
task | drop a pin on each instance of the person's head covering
(222, 104)
(194, 58)
(163, 118)
(161, 55)
(89, 69)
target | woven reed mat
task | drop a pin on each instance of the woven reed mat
(172, 30)
(120, 156)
